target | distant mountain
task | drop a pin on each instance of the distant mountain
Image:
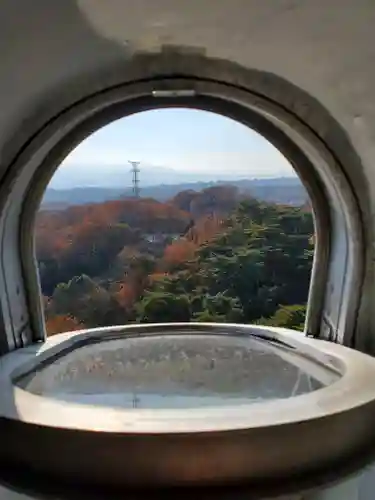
(283, 190)
(69, 176)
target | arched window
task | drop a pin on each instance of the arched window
(331, 314)
(332, 388)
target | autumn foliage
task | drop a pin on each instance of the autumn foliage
(195, 256)
(126, 295)
(178, 252)
(62, 323)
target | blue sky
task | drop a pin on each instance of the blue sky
(184, 140)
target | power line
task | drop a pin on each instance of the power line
(135, 178)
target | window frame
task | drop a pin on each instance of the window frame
(339, 251)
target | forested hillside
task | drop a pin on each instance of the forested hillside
(285, 190)
(215, 255)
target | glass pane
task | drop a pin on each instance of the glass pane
(177, 371)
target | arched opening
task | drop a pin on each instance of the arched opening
(210, 224)
(338, 260)
(336, 271)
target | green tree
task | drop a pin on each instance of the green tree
(218, 309)
(287, 317)
(160, 307)
(90, 303)
(260, 261)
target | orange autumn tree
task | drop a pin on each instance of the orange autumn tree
(178, 252)
(205, 229)
(157, 276)
(62, 323)
(126, 295)
(183, 250)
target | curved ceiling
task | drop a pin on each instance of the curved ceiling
(324, 47)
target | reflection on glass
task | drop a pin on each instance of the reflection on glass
(176, 371)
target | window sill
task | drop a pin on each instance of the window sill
(292, 443)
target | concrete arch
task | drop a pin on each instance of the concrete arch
(274, 105)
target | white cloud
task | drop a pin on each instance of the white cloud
(253, 163)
